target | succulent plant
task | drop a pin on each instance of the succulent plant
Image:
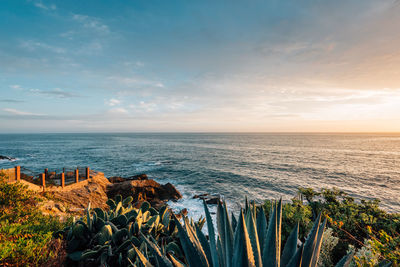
(129, 236)
(112, 237)
(247, 241)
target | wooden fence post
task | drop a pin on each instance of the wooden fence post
(76, 175)
(43, 180)
(87, 172)
(17, 173)
(62, 179)
(46, 173)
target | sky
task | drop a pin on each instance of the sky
(199, 66)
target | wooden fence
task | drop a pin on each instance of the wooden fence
(46, 175)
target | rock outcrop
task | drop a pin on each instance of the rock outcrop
(146, 189)
(210, 199)
(118, 179)
(7, 158)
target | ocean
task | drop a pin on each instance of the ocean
(259, 166)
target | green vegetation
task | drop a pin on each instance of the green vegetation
(328, 229)
(25, 233)
(361, 227)
(129, 236)
(112, 238)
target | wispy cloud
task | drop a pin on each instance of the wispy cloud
(39, 4)
(91, 23)
(113, 102)
(117, 111)
(21, 113)
(31, 45)
(11, 101)
(57, 92)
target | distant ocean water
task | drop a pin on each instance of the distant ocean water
(260, 166)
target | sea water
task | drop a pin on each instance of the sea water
(259, 166)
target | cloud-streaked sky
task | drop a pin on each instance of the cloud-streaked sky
(116, 66)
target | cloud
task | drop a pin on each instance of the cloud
(16, 87)
(57, 92)
(118, 111)
(113, 102)
(91, 23)
(39, 4)
(135, 81)
(31, 45)
(11, 101)
(21, 113)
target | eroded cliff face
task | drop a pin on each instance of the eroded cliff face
(74, 198)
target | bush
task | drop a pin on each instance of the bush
(356, 224)
(25, 233)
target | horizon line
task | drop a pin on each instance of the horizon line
(211, 132)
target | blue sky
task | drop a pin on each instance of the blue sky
(117, 66)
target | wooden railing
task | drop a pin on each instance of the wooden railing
(45, 176)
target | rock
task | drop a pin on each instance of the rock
(7, 158)
(171, 192)
(214, 200)
(60, 207)
(210, 199)
(148, 190)
(117, 179)
(201, 196)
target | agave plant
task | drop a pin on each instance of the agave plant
(129, 236)
(118, 236)
(246, 241)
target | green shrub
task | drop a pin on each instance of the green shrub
(353, 222)
(25, 233)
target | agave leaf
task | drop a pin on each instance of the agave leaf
(319, 243)
(166, 219)
(221, 258)
(174, 248)
(296, 260)
(261, 228)
(88, 218)
(118, 208)
(221, 231)
(193, 251)
(211, 236)
(105, 234)
(127, 201)
(228, 235)
(271, 253)
(346, 260)
(145, 206)
(311, 243)
(234, 222)
(162, 260)
(242, 251)
(175, 261)
(111, 203)
(204, 243)
(88, 254)
(279, 228)
(253, 235)
(142, 258)
(290, 247)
